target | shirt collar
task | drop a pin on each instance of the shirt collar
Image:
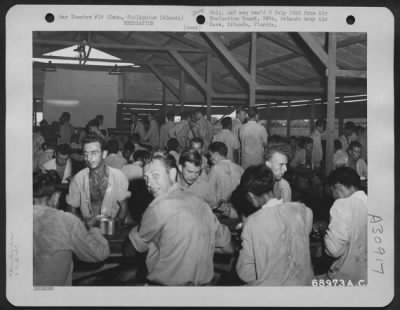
(272, 202)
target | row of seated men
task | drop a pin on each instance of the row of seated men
(181, 222)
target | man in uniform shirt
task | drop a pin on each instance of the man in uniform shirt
(178, 230)
(241, 118)
(203, 128)
(165, 129)
(193, 180)
(137, 126)
(253, 139)
(153, 134)
(346, 237)
(224, 177)
(98, 189)
(355, 161)
(197, 144)
(62, 163)
(277, 160)
(317, 152)
(226, 136)
(182, 131)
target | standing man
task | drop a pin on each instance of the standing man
(355, 161)
(100, 119)
(277, 160)
(317, 152)
(254, 139)
(165, 130)
(346, 237)
(137, 126)
(61, 163)
(98, 189)
(203, 128)
(224, 177)
(349, 135)
(178, 230)
(153, 134)
(241, 118)
(226, 136)
(197, 144)
(182, 131)
(66, 129)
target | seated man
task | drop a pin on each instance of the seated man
(346, 237)
(178, 230)
(277, 159)
(62, 163)
(98, 189)
(135, 170)
(192, 180)
(114, 159)
(275, 237)
(173, 148)
(58, 235)
(224, 177)
(356, 162)
(197, 144)
(340, 157)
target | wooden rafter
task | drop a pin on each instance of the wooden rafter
(149, 48)
(315, 47)
(164, 80)
(181, 38)
(189, 70)
(253, 69)
(225, 54)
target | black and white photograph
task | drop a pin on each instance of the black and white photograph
(172, 159)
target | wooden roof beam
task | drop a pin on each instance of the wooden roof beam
(164, 80)
(149, 48)
(315, 47)
(189, 70)
(226, 55)
(182, 39)
(351, 74)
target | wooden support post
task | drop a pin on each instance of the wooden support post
(164, 99)
(330, 124)
(312, 115)
(182, 89)
(269, 119)
(340, 114)
(253, 68)
(289, 117)
(209, 87)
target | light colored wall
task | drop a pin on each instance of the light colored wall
(84, 94)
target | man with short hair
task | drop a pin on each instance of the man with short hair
(203, 128)
(355, 161)
(193, 180)
(362, 138)
(66, 129)
(226, 136)
(317, 151)
(153, 134)
(349, 135)
(114, 159)
(137, 126)
(61, 163)
(346, 237)
(277, 160)
(165, 129)
(178, 230)
(98, 189)
(241, 118)
(197, 144)
(253, 139)
(182, 131)
(135, 170)
(57, 235)
(224, 177)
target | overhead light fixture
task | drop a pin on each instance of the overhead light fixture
(115, 71)
(49, 67)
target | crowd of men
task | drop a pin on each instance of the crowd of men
(195, 176)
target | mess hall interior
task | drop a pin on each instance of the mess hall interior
(193, 158)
